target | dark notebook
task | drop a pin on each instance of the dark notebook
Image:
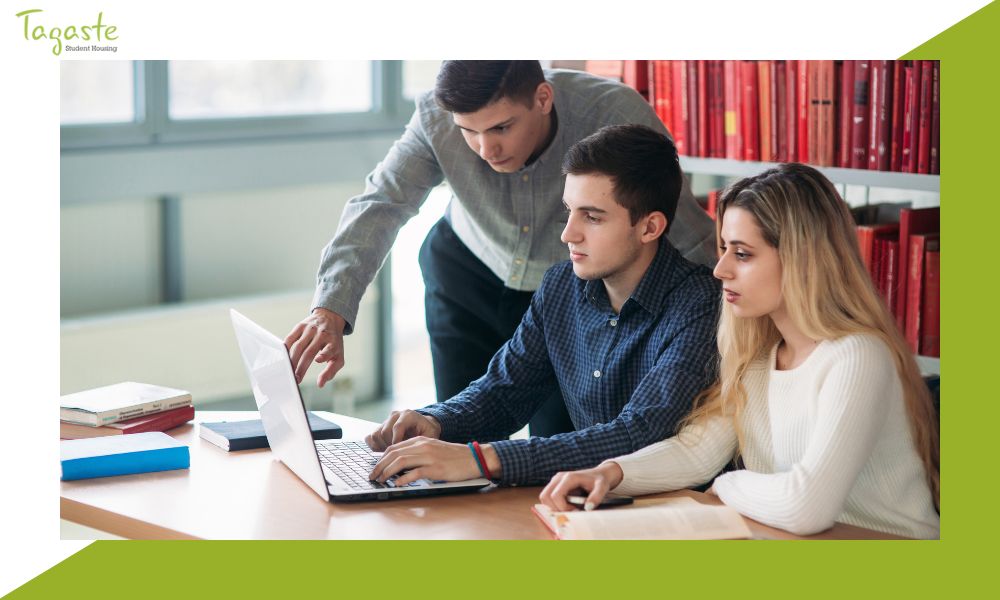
(247, 435)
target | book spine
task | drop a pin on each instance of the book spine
(845, 104)
(924, 128)
(107, 417)
(802, 103)
(911, 114)
(791, 106)
(663, 72)
(930, 334)
(880, 115)
(681, 115)
(148, 461)
(898, 104)
(764, 106)
(827, 114)
(748, 110)
(915, 292)
(859, 115)
(778, 118)
(935, 150)
(694, 140)
(889, 273)
(702, 91)
(718, 104)
(732, 111)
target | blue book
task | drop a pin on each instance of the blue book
(122, 455)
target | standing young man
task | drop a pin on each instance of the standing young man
(496, 131)
(625, 330)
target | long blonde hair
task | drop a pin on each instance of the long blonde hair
(827, 292)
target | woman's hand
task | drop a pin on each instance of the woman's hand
(596, 482)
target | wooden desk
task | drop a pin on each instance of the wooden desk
(250, 495)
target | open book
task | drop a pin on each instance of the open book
(669, 519)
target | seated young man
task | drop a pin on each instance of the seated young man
(625, 330)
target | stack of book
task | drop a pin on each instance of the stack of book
(123, 408)
(861, 114)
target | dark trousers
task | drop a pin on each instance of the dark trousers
(470, 315)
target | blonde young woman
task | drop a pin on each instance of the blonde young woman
(818, 392)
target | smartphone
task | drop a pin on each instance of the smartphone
(579, 498)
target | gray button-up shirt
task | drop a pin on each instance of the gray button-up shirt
(511, 221)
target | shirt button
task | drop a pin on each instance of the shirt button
(613, 322)
(514, 277)
(525, 229)
(524, 178)
(518, 261)
(597, 373)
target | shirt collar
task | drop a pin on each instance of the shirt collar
(650, 293)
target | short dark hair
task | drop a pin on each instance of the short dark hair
(465, 86)
(641, 162)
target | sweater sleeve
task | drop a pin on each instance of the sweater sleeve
(851, 409)
(690, 458)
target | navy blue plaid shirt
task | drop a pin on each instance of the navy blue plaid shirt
(626, 379)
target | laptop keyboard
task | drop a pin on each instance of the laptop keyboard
(352, 462)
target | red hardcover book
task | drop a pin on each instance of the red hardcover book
(880, 117)
(919, 245)
(791, 107)
(635, 74)
(930, 326)
(912, 222)
(802, 102)
(859, 115)
(779, 120)
(161, 421)
(911, 116)
(716, 110)
(822, 116)
(936, 119)
(867, 234)
(734, 150)
(665, 79)
(694, 110)
(654, 93)
(898, 104)
(712, 204)
(924, 128)
(702, 91)
(764, 106)
(845, 106)
(678, 84)
(879, 254)
(889, 275)
(748, 110)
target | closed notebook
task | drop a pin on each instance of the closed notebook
(122, 455)
(248, 435)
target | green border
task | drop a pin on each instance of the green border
(498, 569)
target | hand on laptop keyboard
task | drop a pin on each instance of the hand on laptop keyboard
(425, 458)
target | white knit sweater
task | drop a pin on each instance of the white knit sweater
(827, 441)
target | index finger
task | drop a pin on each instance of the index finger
(294, 335)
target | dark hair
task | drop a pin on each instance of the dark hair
(642, 164)
(465, 86)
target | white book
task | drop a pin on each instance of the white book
(113, 403)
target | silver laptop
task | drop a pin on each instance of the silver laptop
(336, 470)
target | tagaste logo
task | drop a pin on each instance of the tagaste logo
(36, 28)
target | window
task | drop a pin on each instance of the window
(419, 76)
(96, 92)
(230, 89)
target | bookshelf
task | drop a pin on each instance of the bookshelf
(882, 179)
